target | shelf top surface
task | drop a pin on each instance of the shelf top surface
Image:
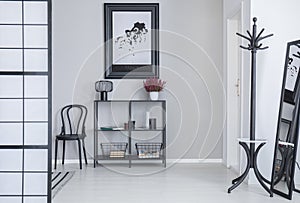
(153, 101)
(248, 140)
(135, 129)
(286, 143)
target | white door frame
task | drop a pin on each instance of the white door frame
(227, 158)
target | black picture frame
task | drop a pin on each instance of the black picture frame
(122, 58)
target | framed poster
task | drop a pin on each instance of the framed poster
(131, 40)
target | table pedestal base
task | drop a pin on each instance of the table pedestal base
(251, 163)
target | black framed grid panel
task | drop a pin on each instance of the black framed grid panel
(25, 101)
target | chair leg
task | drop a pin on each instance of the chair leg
(84, 152)
(56, 142)
(79, 150)
(64, 148)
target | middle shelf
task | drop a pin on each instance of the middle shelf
(122, 129)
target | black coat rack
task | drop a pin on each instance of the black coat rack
(253, 46)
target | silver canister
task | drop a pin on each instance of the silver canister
(152, 123)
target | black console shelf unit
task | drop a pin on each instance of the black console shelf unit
(129, 155)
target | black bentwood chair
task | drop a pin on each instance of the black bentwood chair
(73, 129)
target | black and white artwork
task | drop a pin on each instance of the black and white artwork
(131, 40)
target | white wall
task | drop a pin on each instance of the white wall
(230, 8)
(282, 19)
(191, 63)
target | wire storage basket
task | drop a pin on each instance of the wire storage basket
(114, 149)
(148, 150)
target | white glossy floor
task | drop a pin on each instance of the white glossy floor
(149, 183)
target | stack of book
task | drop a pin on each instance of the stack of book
(147, 154)
(117, 154)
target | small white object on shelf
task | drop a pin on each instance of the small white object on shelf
(147, 119)
(117, 128)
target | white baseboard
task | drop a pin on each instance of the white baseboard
(178, 161)
(194, 161)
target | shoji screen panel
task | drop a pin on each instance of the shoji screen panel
(25, 101)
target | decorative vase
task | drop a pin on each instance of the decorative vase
(147, 119)
(153, 95)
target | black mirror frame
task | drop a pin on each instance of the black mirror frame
(292, 98)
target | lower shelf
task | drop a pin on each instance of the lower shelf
(107, 157)
(127, 157)
(136, 157)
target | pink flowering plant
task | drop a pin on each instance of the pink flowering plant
(154, 84)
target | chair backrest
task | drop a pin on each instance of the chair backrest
(73, 119)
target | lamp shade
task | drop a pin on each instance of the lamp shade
(103, 86)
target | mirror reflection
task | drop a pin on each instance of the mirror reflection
(297, 171)
(284, 159)
(285, 150)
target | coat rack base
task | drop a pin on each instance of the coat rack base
(251, 164)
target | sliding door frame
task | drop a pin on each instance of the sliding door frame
(23, 73)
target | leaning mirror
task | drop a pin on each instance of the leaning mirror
(286, 142)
